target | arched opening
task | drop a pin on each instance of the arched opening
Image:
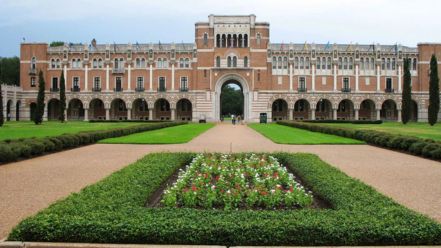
(367, 110)
(8, 110)
(17, 110)
(224, 40)
(184, 110)
(162, 110)
(279, 110)
(231, 99)
(53, 109)
(218, 40)
(33, 111)
(301, 110)
(323, 110)
(75, 110)
(118, 110)
(345, 110)
(413, 111)
(140, 110)
(96, 110)
(389, 110)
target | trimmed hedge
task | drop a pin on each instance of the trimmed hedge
(345, 121)
(113, 121)
(113, 211)
(11, 150)
(421, 147)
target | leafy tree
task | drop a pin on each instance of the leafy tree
(2, 118)
(56, 43)
(433, 91)
(406, 102)
(10, 70)
(39, 112)
(231, 100)
(62, 97)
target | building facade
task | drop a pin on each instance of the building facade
(184, 81)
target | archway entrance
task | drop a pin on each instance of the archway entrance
(53, 109)
(231, 99)
(33, 111)
(240, 85)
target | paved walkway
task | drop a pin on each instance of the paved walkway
(31, 185)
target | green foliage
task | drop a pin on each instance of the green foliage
(406, 102)
(113, 211)
(31, 147)
(2, 118)
(231, 101)
(433, 91)
(414, 145)
(39, 112)
(345, 121)
(62, 97)
(10, 71)
(56, 43)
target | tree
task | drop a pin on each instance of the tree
(62, 97)
(2, 118)
(10, 70)
(39, 112)
(406, 102)
(433, 91)
(231, 100)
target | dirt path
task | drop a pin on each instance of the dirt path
(31, 185)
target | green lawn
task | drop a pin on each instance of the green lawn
(421, 130)
(171, 135)
(27, 129)
(288, 135)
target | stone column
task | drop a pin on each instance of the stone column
(107, 114)
(5, 100)
(399, 78)
(356, 114)
(86, 114)
(335, 77)
(290, 114)
(378, 114)
(399, 115)
(173, 113)
(173, 77)
(313, 78)
(129, 113)
(129, 77)
(107, 77)
(290, 77)
(356, 78)
(65, 76)
(151, 77)
(334, 114)
(150, 114)
(313, 114)
(65, 115)
(378, 78)
(86, 77)
(45, 114)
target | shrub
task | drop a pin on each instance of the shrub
(427, 150)
(7, 153)
(345, 121)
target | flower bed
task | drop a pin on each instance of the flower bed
(242, 181)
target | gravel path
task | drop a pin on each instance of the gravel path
(31, 185)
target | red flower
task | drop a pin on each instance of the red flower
(193, 187)
(291, 189)
(263, 193)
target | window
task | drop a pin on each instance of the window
(414, 64)
(53, 63)
(119, 63)
(274, 63)
(205, 39)
(296, 63)
(140, 83)
(328, 64)
(143, 65)
(245, 40)
(372, 67)
(319, 63)
(302, 63)
(76, 63)
(389, 84)
(234, 61)
(285, 63)
(302, 83)
(245, 61)
(346, 83)
(383, 64)
(33, 84)
(138, 63)
(258, 75)
(162, 84)
(118, 84)
(58, 63)
(345, 63)
(258, 37)
(184, 84)
(351, 63)
(159, 63)
(388, 65)
(279, 63)
(95, 63)
(100, 63)
(97, 83)
(76, 82)
(307, 63)
(33, 63)
(393, 64)
(340, 63)
(229, 61)
(187, 63)
(218, 40)
(164, 63)
(55, 83)
(205, 73)
(181, 62)
(362, 64)
(217, 61)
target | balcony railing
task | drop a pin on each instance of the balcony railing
(162, 89)
(183, 89)
(94, 89)
(389, 90)
(139, 89)
(55, 89)
(302, 89)
(32, 71)
(346, 90)
(75, 89)
(118, 70)
(118, 89)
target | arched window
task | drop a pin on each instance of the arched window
(224, 40)
(245, 61)
(414, 64)
(345, 63)
(285, 63)
(100, 63)
(234, 61)
(164, 63)
(319, 63)
(234, 40)
(181, 62)
(240, 40)
(383, 64)
(302, 63)
(33, 63)
(362, 64)
(58, 63)
(229, 40)
(245, 40)
(95, 63)
(258, 37)
(340, 63)
(218, 61)
(53, 63)
(307, 63)
(218, 40)
(205, 39)
(138, 63)
(143, 63)
(159, 63)
(351, 63)
(274, 62)
(388, 64)
(187, 63)
(372, 64)
(296, 63)
(393, 64)
(279, 63)
(329, 63)
(229, 61)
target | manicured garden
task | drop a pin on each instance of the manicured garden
(172, 135)
(287, 135)
(416, 129)
(114, 211)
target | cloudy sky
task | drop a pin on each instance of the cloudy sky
(405, 22)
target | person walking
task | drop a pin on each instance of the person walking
(239, 119)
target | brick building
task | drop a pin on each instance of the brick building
(183, 81)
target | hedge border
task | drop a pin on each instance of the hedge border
(345, 121)
(13, 150)
(426, 148)
(112, 211)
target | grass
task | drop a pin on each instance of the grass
(28, 129)
(416, 129)
(288, 135)
(171, 135)
(113, 211)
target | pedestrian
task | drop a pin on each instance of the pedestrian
(239, 119)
